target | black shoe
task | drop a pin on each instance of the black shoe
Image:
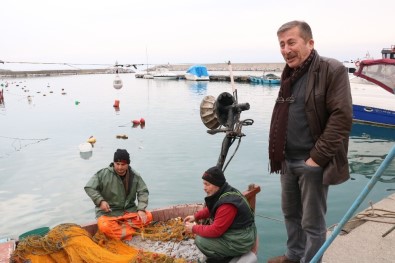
(219, 260)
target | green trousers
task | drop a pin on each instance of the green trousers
(235, 242)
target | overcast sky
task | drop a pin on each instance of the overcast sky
(183, 31)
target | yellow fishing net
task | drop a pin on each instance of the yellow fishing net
(170, 230)
(70, 243)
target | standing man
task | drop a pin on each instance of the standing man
(232, 231)
(114, 190)
(308, 140)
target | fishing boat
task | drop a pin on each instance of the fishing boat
(269, 79)
(198, 73)
(8, 246)
(183, 210)
(373, 89)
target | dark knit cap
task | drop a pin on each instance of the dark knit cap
(214, 176)
(121, 155)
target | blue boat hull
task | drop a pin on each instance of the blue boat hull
(259, 80)
(372, 115)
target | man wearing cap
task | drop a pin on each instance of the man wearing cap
(232, 231)
(114, 190)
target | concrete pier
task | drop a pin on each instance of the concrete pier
(368, 237)
(244, 79)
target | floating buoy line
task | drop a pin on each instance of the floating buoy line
(135, 123)
(17, 143)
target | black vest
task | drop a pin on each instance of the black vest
(229, 195)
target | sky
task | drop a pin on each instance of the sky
(184, 31)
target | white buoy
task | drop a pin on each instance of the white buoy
(85, 147)
(117, 82)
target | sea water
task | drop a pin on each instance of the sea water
(44, 120)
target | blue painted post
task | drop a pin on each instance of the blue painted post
(383, 166)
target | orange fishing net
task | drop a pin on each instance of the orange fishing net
(70, 243)
(122, 227)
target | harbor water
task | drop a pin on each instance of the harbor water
(44, 120)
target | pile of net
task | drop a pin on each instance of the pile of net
(71, 243)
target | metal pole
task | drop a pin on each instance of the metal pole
(383, 166)
(232, 82)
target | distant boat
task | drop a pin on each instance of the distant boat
(269, 78)
(353, 64)
(351, 67)
(148, 76)
(197, 72)
(164, 73)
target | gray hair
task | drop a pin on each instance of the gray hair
(304, 28)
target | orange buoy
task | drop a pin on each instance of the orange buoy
(136, 122)
(116, 103)
(142, 121)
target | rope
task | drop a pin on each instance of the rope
(371, 214)
(125, 125)
(270, 218)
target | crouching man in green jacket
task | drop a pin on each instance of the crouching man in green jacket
(232, 232)
(114, 190)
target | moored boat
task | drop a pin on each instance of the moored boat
(270, 79)
(198, 73)
(164, 73)
(373, 89)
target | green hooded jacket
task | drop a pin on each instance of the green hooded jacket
(106, 185)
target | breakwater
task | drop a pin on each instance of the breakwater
(50, 73)
(245, 79)
(272, 67)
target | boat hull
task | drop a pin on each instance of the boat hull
(196, 78)
(260, 80)
(371, 103)
(165, 77)
(161, 214)
(165, 74)
(373, 115)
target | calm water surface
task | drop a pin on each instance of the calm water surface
(43, 173)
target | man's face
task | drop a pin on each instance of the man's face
(121, 168)
(294, 48)
(209, 188)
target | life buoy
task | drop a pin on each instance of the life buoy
(357, 63)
